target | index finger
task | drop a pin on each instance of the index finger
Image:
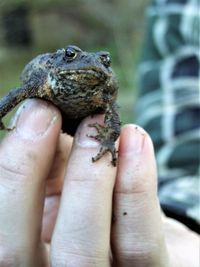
(82, 231)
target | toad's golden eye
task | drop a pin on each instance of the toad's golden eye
(70, 53)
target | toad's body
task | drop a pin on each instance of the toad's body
(79, 84)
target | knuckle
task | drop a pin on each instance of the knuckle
(70, 259)
(11, 176)
(142, 253)
(10, 170)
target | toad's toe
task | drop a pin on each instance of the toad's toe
(107, 144)
(104, 150)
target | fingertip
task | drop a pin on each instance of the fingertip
(134, 139)
(32, 143)
(137, 166)
(35, 119)
(84, 132)
(88, 143)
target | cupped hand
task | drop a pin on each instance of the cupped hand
(105, 216)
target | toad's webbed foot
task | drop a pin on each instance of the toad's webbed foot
(104, 136)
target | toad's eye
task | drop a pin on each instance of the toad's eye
(70, 53)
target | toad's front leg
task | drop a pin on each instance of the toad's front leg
(8, 102)
(107, 134)
(17, 95)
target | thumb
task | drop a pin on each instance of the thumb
(26, 155)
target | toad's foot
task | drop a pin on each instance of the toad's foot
(107, 144)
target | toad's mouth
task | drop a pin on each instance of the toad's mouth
(96, 74)
(90, 77)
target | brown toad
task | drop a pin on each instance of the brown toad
(79, 84)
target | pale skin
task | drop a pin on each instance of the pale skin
(103, 210)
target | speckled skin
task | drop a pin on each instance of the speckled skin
(79, 84)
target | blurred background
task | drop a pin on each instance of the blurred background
(29, 28)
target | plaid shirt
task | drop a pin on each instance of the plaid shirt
(169, 97)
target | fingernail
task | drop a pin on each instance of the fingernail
(84, 131)
(133, 140)
(34, 118)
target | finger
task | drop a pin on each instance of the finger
(54, 186)
(25, 156)
(82, 231)
(182, 244)
(56, 175)
(137, 236)
(51, 206)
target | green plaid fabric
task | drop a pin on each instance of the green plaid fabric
(169, 97)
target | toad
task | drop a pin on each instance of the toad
(79, 83)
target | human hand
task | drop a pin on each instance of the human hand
(34, 158)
